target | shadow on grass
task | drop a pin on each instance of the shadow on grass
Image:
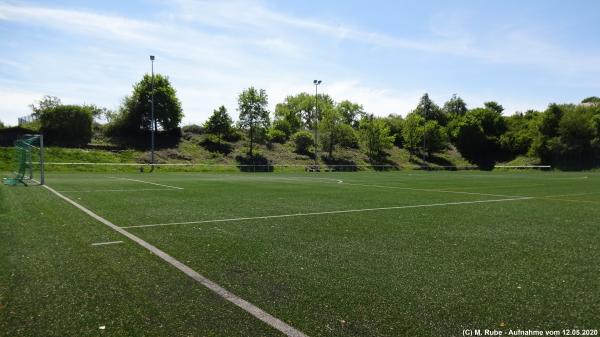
(255, 163)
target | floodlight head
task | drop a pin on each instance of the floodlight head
(319, 82)
(151, 57)
(315, 82)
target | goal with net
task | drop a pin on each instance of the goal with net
(29, 161)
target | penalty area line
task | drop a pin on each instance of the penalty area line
(250, 308)
(331, 212)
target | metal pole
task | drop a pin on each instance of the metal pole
(152, 122)
(316, 120)
(41, 159)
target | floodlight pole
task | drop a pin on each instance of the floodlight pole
(152, 122)
(316, 119)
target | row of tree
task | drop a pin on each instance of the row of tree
(567, 135)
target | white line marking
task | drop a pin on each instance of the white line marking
(568, 195)
(106, 243)
(120, 190)
(148, 182)
(435, 190)
(331, 212)
(224, 293)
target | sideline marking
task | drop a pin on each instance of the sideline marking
(147, 182)
(106, 243)
(331, 212)
(224, 293)
(121, 190)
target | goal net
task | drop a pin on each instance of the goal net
(28, 161)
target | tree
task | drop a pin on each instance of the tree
(430, 111)
(46, 103)
(252, 106)
(219, 123)
(2, 126)
(303, 140)
(435, 138)
(455, 106)
(375, 136)
(331, 120)
(67, 125)
(298, 110)
(351, 112)
(413, 132)
(477, 134)
(592, 99)
(395, 123)
(135, 112)
(494, 106)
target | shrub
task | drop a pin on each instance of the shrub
(67, 125)
(193, 128)
(276, 136)
(303, 140)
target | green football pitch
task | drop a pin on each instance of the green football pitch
(324, 254)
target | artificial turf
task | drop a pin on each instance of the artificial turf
(423, 271)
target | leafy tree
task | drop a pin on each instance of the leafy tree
(477, 134)
(67, 125)
(494, 106)
(375, 136)
(348, 136)
(2, 126)
(284, 126)
(252, 106)
(329, 128)
(395, 123)
(351, 112)
(219, 123)
(276, 136)
(298, 110)
(430, 111)
(46, 103)
(412, 132)
(592, 99)
(303, 140)
(135, 111)
(455, 106)
(521, 132)
(435, 138)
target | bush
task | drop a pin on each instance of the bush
(193, 128)
(67, 125)
(348, 137)
(276, 136)
(303, 140)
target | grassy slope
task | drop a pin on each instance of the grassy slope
(190, 151)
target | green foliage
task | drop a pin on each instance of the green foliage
(413, 132)
(435, 138)
(303, 141)
(46, 103)
(298, 110)
(375, 136)
(254, 116)
(219, 123)
(430, 111)
(477, 134)
(455, 106)
(348, 137)
(192, 128)
(350, 112)
(284, 126)
(67, 125)
(329, 128)
(276, 136)
(2, 126)
(395, 123)
(135, 111)
(592, 99)
(521, 132)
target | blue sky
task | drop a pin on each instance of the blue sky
(382, 54)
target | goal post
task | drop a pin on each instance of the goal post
(29, 161)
